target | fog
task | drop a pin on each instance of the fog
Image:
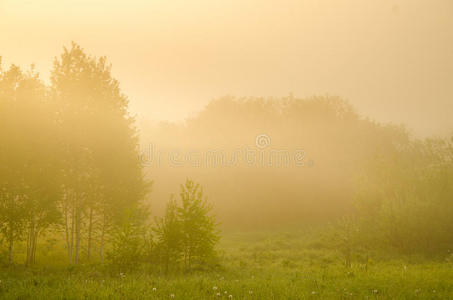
(170, 149)
(393, 60)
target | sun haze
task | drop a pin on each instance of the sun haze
(393, 60)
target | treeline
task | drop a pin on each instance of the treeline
(390, 190)
(70, 167)
(330, 140)
(404, 202)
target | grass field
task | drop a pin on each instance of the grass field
(255, 265)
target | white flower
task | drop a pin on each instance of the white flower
(375, 291)
(218, 294)
(172, 295)
(226, 292)
(154, 289)
(313, 292)
(214, 288)
(230, 296)
(250, 292)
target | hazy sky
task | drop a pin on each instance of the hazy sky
(393, 60)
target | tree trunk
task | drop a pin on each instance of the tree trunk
(68, 244)
(10, 248)
(35, 245)
(101, 248)
(77, 245)
(90, 229)
(72, 234)
(30, 241)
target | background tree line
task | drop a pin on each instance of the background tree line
(383, 187)
(335, 140)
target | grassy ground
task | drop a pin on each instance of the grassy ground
(255, 266)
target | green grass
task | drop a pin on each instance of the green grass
(254, 266)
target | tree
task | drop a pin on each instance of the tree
(404, 199)
(169, 236)
(103, 176)
(188, 231)
(29, 169)
(128, 241)
(12, 200)
(198, 228)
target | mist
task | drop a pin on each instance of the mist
(392, 60)
(226, 149)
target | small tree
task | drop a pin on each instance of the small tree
(198, 227)
(128, 240)
(169, 236)
(187, 232)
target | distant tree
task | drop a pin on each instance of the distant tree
(404, 198)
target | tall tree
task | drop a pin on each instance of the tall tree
(103, 174)
(29, 167)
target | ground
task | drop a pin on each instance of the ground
(254, 265)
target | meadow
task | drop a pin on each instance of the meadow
(253, 265)
(341, 206)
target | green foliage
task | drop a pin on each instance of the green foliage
(187, 232)
(404, 200)
(68, 156)
(198, 228)
(128, 249)
(169, 236)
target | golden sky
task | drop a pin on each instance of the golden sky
(392, 59)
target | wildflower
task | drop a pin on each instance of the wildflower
(250, 292)
(214, 288)
(313, 293)
(172, 295)
(230, 296)
(375, 291)
(218, 294)
(154, 289)
(226, 292)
